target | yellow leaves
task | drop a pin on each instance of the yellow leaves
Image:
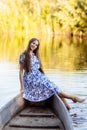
(52, 15)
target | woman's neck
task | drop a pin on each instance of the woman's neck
(31, 53)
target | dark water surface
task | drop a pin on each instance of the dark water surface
(65, 63)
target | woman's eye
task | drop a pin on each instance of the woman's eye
(35, 44)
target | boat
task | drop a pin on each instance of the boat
(19, 114)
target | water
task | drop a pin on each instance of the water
(9, 84)
(65, 63)
(70, 82)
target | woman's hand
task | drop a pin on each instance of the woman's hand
(22, 90)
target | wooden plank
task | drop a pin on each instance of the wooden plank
(15, 128)
(37, 111)
(35, 122)
(36, 115)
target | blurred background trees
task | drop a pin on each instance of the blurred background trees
(21, 17)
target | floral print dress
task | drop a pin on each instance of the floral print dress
(37, 86)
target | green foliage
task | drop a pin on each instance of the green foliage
(43, 16)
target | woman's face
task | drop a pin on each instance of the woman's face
(34, 45)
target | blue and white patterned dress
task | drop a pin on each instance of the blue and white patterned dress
(37, 86)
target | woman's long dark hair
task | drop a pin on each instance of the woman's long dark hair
(27, 55)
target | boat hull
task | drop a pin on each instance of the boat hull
(17, 104)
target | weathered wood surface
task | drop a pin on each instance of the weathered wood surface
(7, 128)
(37, 111)
(10, 109)
(34, 118)
(61, 112)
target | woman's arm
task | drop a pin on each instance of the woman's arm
(21, 78)
(41, 70)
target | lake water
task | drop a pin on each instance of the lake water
(65, 63)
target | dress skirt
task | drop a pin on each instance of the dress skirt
(37, 85)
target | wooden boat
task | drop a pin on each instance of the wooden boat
(20, 114)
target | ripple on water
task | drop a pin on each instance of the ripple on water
(78, 114)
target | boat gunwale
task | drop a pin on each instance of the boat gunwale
(10, 109)
(18, 103)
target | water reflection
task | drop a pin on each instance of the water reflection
(65, 53)
(60, 53)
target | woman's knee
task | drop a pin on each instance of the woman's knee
(60, 95)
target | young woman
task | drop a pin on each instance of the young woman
(34, 83)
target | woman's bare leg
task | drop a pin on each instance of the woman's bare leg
(73, 98)
(66, 104)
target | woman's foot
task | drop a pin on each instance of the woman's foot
(68, 108)
(66, 104)
(76, 99)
